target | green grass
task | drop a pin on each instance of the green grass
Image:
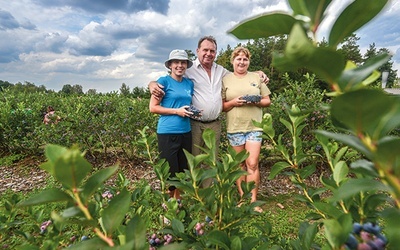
(285, 213)
(10, 159)
(287, 219)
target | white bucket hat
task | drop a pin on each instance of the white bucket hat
(178, 54)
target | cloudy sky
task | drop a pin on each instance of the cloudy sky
(100, 44)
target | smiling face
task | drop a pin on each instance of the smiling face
(178, 68)
(240, 63)
(206, 53)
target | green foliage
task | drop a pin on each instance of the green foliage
(353, 17)
(387, 67)
(68, 89)
(351, 50)
(106, 123)
(271, 24)
(108, 219)
(4, 85)
(312, 102)
(301, 50)
(375, 118)
(218, 202)
(124, 90)
(118, 217)
(362, 198)
(360, 115)
(365, 190)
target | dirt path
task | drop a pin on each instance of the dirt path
(26, 176)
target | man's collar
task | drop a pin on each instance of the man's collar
(197, 63)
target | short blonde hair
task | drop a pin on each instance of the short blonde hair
(239, 50)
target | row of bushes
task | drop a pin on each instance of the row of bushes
(94, 122)
(111, 122)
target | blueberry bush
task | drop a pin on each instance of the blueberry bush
(355, 207)
(91, 215)
(105, 123)
(364, 119)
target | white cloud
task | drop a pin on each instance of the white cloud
(102, 47)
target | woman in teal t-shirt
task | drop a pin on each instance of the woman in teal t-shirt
(173, 128)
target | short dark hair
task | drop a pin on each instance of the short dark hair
(208, 38)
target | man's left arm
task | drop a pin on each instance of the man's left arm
(264, 78)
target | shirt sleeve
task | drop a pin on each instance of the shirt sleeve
(264, 90)
(163, 81)
(223, 89)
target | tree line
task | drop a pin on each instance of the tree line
(68, 89)
(262, 51)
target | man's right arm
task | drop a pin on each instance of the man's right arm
(156, 89)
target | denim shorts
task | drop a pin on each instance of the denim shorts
(238, 139)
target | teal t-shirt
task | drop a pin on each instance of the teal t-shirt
(177, 94)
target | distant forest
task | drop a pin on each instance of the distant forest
(262, 51)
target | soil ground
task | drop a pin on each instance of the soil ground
(26, 175)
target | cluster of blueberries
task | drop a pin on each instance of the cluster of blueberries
(196, 112)
(155, 241)
(199, 227)
(251, 98)
(367, 236)
(44, 225)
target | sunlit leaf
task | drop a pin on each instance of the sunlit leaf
(308, 234)
(328, 209)
(49, 195)
(299, 46)
(368, 111)
(71, 212)
(96, 180)
(328, 182)
(388, 158)
(357, 77)
(136, 232)
(355, 186)
(236, 243)
(52, 153)
(310, 8)
(358, 13)
(334, 233)
(114, 213)
(277, 168)
(349, 140)
(326, 63)
(307, 171)
(340, 172)
(178, 226)
(209, 140)
(71, 169)
(263, 26)
(219, 238)
(301, 53)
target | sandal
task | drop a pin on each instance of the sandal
(258, 209)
